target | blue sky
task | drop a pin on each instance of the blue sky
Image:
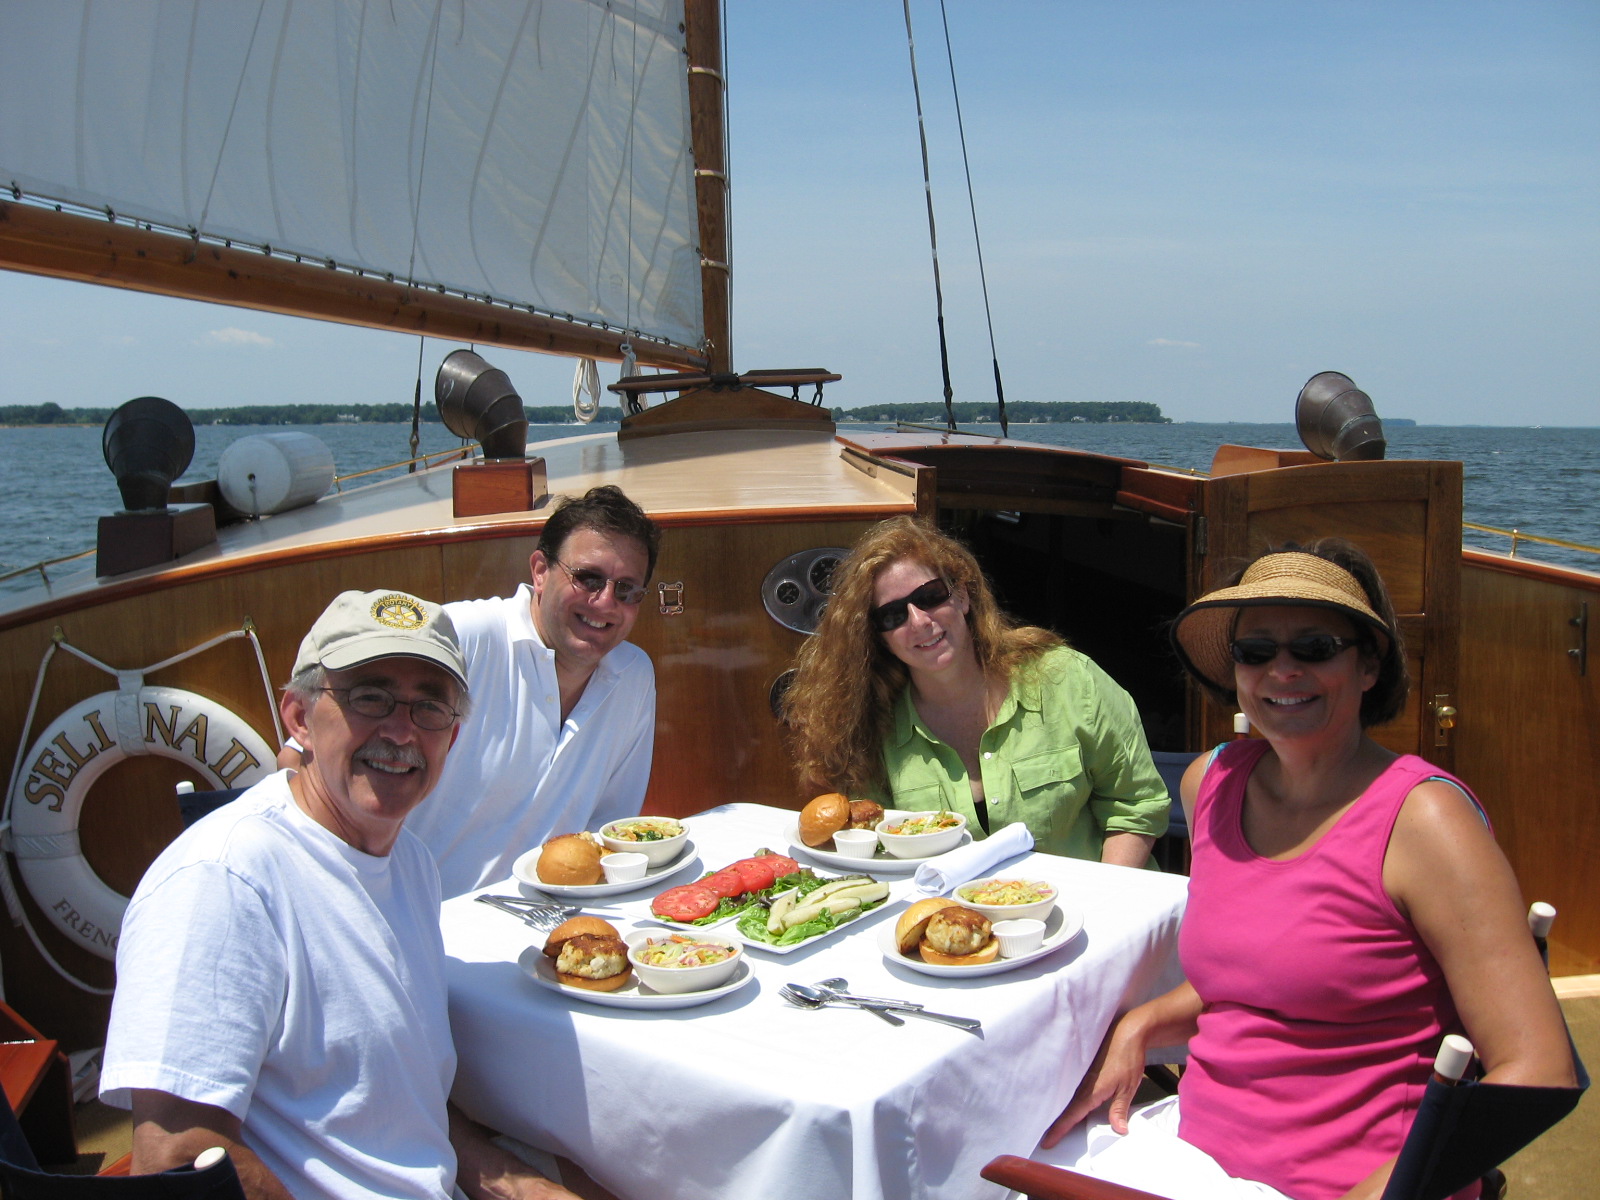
(1198, 204)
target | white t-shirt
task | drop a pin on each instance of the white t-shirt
(519, 774)
(268, 968)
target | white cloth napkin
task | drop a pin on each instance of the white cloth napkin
(938, 875)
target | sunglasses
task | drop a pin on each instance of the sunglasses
(593, 582)
(893, 614)
(1308, 648)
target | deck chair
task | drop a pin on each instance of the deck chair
(21, 1178)
(37, 1082)
(1464, 1129)
(1171, 850)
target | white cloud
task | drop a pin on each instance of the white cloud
(1170, 342)
(237, 337)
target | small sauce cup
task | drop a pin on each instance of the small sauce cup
(1019, 936)
(856, 843)
(623, 867)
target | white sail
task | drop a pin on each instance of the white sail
(533, 151)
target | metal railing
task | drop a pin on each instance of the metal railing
(1517, 535)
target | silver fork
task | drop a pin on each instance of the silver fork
(543, 917)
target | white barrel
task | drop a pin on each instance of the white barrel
(274, 472)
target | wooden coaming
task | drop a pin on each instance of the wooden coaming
(1528, 735)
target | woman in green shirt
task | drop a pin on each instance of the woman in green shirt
(918, 692)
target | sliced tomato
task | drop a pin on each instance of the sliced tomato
(726, 882)
(781, 864)
(756, 873)
(687, 903)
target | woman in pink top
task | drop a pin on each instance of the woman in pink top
(1347, 906)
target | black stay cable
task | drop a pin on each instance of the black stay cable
(933, 234)
(972, 207)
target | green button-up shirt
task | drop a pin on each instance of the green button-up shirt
(1066, 756)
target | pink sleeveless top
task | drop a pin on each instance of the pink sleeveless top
(1323, 1007)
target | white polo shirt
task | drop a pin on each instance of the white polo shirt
(518, 774)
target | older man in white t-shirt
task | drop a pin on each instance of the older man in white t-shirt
(280, 973)
(564, 707)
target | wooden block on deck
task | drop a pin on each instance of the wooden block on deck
(129, 541)
(482, 489)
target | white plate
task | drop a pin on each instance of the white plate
(881, 863)
(1060, 927)
(634, 994)
(732, 931)
(523, 870)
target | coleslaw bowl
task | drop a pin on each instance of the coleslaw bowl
(1008, 897)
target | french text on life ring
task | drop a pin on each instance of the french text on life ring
(81, 745)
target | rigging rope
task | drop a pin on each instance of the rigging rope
(933, 233)
(972, 207)
(416, 411)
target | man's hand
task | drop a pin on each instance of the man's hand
(169, 1132)
(486, 1172)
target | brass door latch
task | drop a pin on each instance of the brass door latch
(671, 597)
(1444, 719)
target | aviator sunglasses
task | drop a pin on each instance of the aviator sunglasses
(893, 614)
(1308, 648)
(594, 583)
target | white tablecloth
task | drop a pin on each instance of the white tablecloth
(750, 1097)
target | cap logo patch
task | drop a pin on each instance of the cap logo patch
(399, 611)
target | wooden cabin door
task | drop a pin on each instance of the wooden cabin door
(1407, 517)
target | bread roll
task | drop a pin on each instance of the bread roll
(823, 818)
(569, 860)
(913, 923)
(987, 953)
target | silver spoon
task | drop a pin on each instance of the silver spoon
(794, 996)
(807, 992)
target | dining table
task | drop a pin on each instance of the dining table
(752, 1097)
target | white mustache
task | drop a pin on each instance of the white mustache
(380, 751)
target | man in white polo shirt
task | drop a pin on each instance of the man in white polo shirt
(564, 707)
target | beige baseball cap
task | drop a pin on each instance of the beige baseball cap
(359, 627)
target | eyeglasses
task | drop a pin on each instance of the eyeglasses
(892, 615)
(593, 582)
(1308, 648)
(377, 703)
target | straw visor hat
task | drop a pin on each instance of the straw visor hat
(1203, 632)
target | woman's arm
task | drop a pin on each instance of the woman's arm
(1126, 849)
(1448, 876)
(1117, 1069)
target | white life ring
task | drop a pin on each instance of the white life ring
(78, 747)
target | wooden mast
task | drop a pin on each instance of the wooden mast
(703, 42)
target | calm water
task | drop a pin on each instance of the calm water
(1543, 481)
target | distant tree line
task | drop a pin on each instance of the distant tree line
(281, 414)
(1017, 412)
